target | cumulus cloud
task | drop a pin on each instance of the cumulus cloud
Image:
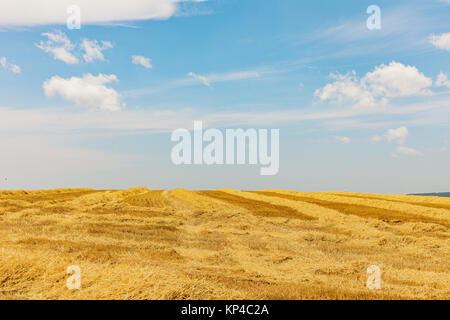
(9, 66)
(348, 88)
(141, 60)
(345, 140)
(441, 41)
(15, 68)
(376, 87)
(93, 12)
(442, 80)
(397, 80)
(93, 51)
(59, 46)
(90, 91)
(398, 134)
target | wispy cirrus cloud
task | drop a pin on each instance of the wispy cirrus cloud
(206, 80)
(224, 77)
(408, 151)
(162, 120)
(200, 78)
(395, 21)
(403, 27)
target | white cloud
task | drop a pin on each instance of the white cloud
(234, 76)
(397, 80)
(207, 80)
(442, 80)
(408, 151)
(377, 87)
(441, 41)
(399, 134)
(223, 77)
(61, 48)
(15, 68)
(376, 139)
(348, 88)
(396, 21)
(163, 120)
(89, 91)
(9, 66)
(200, 78)
(93, 51)
(32, 12)
(345, 140)
(143, 61)
(58, 45)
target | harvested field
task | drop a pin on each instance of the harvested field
(223, 244)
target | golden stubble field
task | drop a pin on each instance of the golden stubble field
(223, 244)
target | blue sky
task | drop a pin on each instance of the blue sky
(358, 109)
